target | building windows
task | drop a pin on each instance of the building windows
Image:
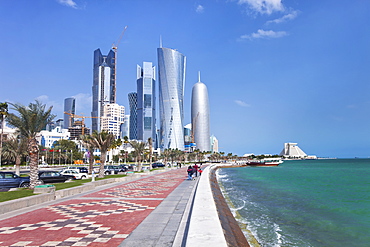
(147, 123)
(147, 100)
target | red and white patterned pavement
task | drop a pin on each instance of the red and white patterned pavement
(103, 218)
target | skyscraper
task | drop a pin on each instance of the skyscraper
(132, 100)
(214, 144)
(146, 120)
(171, 74)
(200, 116)
(104, 85)
(70, 107)
(114, 117)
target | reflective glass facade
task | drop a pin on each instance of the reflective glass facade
(200, 116)
(104, 85)
(146, 113)
(132, 99)
(70, 107)
(171, 75)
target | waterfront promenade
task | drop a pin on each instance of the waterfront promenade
(152, 210)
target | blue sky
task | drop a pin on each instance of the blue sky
(277, 71)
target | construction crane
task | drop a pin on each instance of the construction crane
(115, 49)
(71, 115)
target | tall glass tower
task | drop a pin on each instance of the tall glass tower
(132, 99)
(104, 85)
(70, 107)
(200, 116)
(146, 120)
(171, 74)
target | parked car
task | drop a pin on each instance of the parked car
(74, 172)
(82, 169)
(53, 177)
(158, 164)
(109, 169)
(123, 168)
(12, 180)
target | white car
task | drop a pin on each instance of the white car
(76, 173)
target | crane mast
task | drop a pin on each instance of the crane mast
(115, 49)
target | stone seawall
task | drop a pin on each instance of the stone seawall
(233, 234)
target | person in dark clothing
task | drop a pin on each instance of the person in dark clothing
(190, 172)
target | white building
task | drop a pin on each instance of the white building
(7, 132)
(214, 144)
(48, 138)
(113, 119)
(291, 150)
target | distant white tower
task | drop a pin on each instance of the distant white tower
(200, 116)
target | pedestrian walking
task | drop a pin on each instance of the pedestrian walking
(190, 172)
(196, 170)
(200, 172)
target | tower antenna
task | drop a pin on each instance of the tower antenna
(160, 41)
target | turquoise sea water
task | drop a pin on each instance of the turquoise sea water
(303, 203)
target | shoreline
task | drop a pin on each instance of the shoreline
(232, 228)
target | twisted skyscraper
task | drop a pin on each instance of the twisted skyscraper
(171, 74)
(200, 116)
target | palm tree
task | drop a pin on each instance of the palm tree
(3, 114)
(30, 121)
(166, 155)
(103, 141)
(139, 149)
(150, 142)
(14, 150)
(86, 142)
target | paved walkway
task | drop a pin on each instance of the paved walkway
(150, 211)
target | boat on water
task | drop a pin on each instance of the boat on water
(265, 162)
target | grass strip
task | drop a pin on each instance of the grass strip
(11, 195)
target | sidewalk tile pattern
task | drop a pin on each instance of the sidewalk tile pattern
(91, 222)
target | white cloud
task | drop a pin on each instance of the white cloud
(263, 6)
(263, 34)
(351, 106)
(287, 17)
(57, 107)
(69, 3)
(242, 103)
(83, 104)
(199, 9)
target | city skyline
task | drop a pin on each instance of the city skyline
(276, 71)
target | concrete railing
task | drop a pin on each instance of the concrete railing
(211, 222)
(12, 205)
(205, 227)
